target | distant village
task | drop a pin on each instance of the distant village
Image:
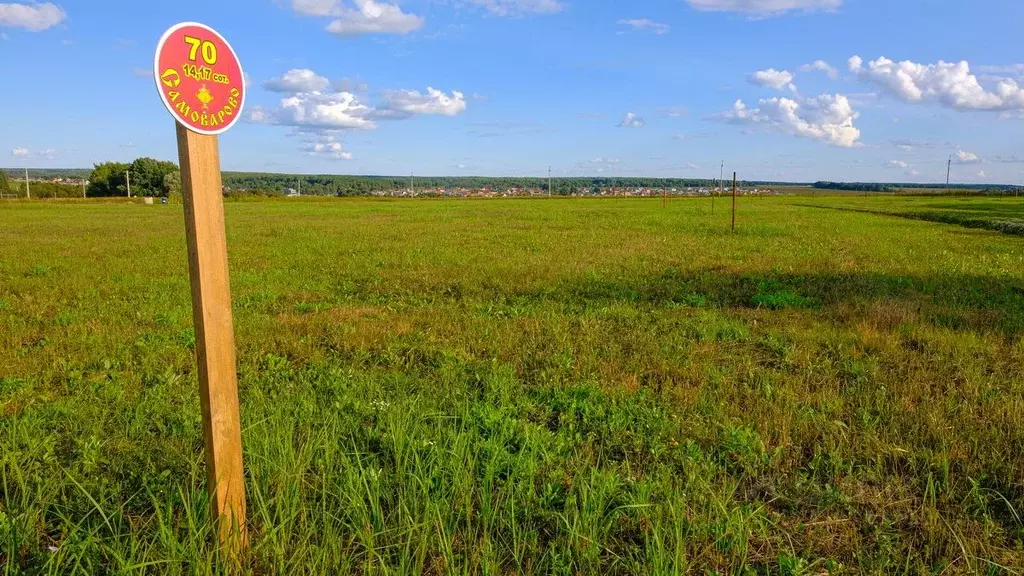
(616, 192)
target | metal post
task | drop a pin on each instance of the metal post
(128, 180)
(28, 193)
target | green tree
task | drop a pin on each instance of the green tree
(5, 188)
(172, 185)
(108, 179)
(148, 176)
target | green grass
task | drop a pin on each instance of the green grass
(522, 387)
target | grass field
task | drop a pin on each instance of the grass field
(523, 387)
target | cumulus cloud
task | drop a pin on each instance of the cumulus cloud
(434, 102)
(763, 8)
(825, 118)
(518, 7)
(950, 84)
(964, 157)
(821, 66)
(772, 78)
(21, 152)
(631, 120)
(368, 16)
(646, 25)
(297, 80)
(324, 110)
(981, 174)
(320, 112)
(897, 164)
(31, 17)
(328, 146)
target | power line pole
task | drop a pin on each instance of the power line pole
(128, 180)
(298, 182)
(949, 166)
(412, 184)
(28, 193)
(549, 181)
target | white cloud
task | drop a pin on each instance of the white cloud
(518, 7)
(374, 17)
(1009, 70)
(631, 120)
(298, 80)
(316, 7)
(324, 110)
(22, 152)
(368, 16)
(898, 164)
(140, 72)
(434, 102)
(947, 83)
(963, 157)
(826, 118)
(32, 17)
(905, 147)
(772, 78)
(326, 145)
(673, 111)
(320, 112)
(981, 174)
(822, 66)
(762, 8)
(607, 161)
(646, 25)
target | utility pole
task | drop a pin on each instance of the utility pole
(949, 166)
(84, 182)
(549, 181)
(128, 180)
(299, 184)
(412, 184)
(28, 193)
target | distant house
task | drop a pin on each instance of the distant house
(291, 193)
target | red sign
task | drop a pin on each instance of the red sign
(199, 78)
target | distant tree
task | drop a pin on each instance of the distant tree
(5, 188)
(148, 176)
(172, 185)
(107, 179)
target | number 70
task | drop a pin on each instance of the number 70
(208, 48)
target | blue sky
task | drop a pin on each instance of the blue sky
(777, 89)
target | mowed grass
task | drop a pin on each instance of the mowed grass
(520, 387)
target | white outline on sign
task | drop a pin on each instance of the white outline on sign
(163, 97)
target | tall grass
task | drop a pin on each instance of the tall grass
(519, 387)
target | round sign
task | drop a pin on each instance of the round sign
(199, 78)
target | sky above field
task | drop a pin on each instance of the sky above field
(796, 90)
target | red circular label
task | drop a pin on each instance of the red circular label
(199, 78)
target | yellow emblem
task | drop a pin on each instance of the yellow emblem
(204, 96)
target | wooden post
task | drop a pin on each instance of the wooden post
(733, 201)
(215, 341)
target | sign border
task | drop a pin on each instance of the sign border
(163, 97)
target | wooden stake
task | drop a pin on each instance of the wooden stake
(733, 201)
(215, 340)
